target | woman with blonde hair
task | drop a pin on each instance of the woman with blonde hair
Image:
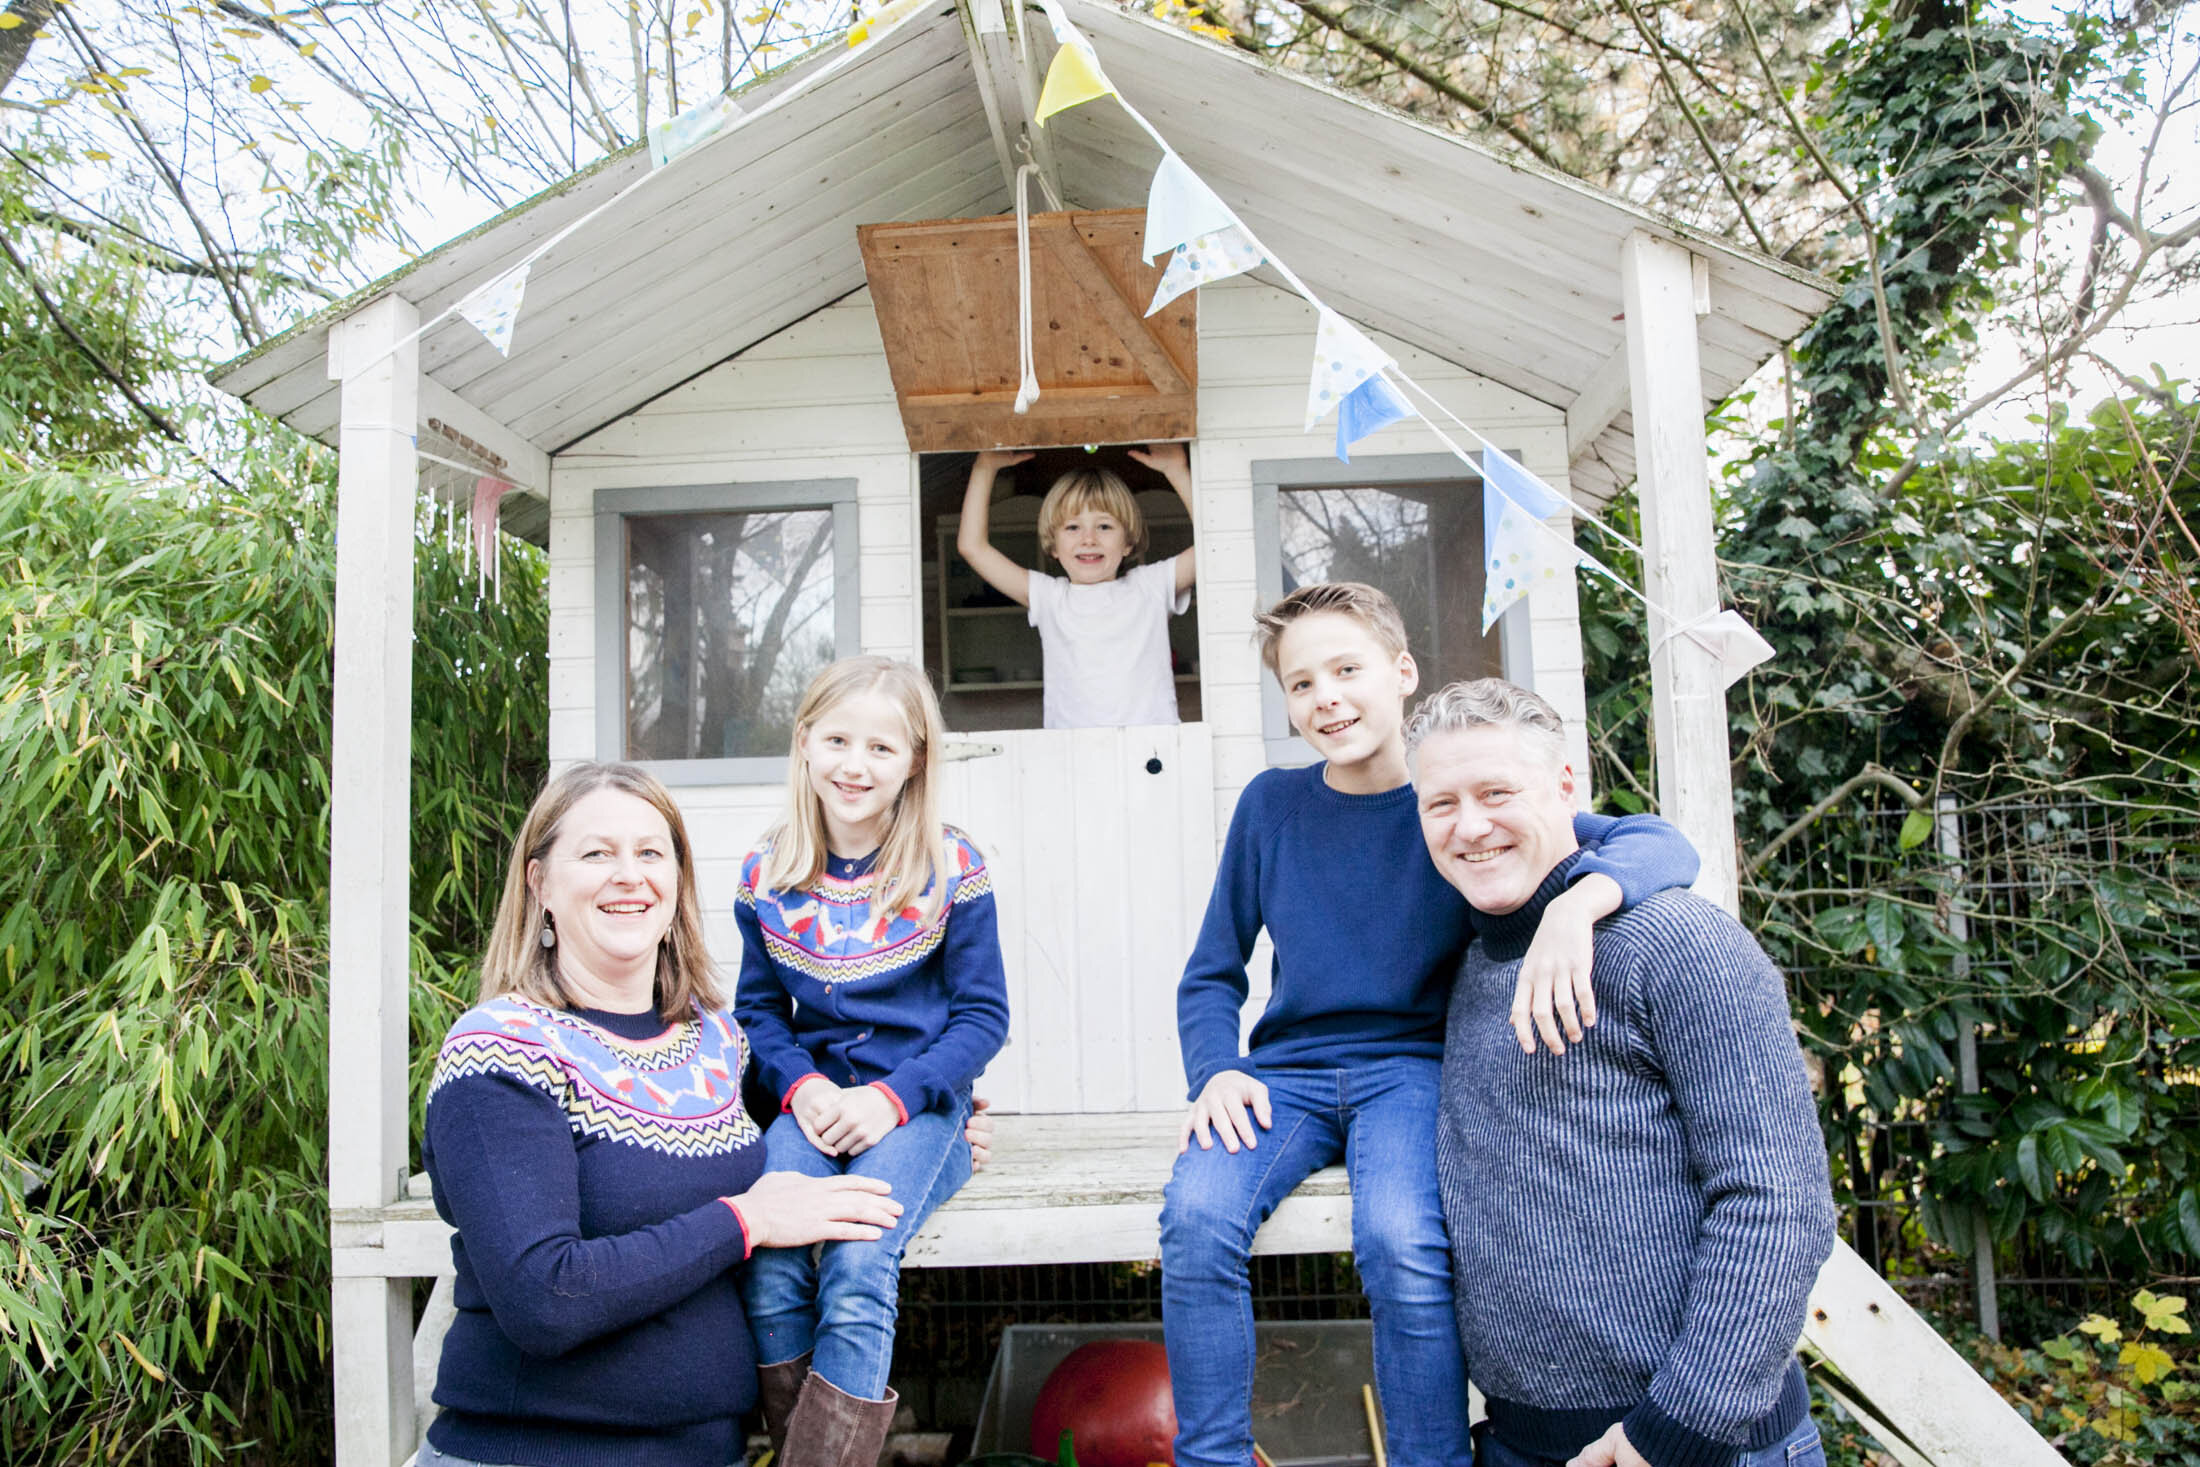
(588, 1142)
(871, 984)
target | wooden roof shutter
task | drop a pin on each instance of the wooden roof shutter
(946, 295)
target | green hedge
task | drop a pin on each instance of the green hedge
(164, 752)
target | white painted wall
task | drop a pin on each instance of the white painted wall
(816, 402)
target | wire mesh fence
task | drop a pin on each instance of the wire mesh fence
(2052, 897)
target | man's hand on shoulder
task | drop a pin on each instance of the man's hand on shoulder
(1609, 1450)
(1221, 1110)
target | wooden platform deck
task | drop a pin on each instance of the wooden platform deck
(1060, 1189)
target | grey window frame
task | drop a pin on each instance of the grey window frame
(1273, 475)
(613, 507)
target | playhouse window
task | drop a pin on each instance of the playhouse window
(1411, 525)
(715, 607)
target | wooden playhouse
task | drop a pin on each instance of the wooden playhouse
(738, 405)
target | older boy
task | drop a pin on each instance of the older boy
(1635, 1226)
(1346, 1058)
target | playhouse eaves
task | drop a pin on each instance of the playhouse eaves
(1505, 268)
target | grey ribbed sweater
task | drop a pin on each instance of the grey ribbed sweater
(1635, 1224)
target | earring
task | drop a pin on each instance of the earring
(549, 932)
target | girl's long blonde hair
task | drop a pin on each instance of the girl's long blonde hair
(517, 962)
(912, 860)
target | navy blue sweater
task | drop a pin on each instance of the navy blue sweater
(1367, 935)
(911, 1002)
(581, 1158)
(1636, 1223)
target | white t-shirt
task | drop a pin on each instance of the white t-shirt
(1106, 647)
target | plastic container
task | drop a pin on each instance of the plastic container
(1307, 1375)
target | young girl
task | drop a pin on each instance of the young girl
(872, 994)
(1104, 640)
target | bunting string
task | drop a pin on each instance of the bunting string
(1352, 378)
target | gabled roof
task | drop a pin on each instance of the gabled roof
(1506, 268)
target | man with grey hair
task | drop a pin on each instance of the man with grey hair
(1635, 1224)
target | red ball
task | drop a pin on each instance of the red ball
(1113, 1397)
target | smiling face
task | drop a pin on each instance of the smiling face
(1497, 811)
(858, 754)
(1092, 546)
(610, 883)
(1345, 694)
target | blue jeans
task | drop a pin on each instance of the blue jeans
(840, 1299)
(1801, 1449)
(1381, 1119)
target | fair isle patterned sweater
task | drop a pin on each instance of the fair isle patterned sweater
(581, 1156)
(913, 1005)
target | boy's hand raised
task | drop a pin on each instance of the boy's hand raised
(1222, 1110)
(1169, 460)
(993, 460)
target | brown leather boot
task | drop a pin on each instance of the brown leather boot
(830, 1428)
(777, 1386)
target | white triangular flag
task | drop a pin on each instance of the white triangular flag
(494, 309)
(1216, 256)
(675, 135)
(1518, 551)
(1732, 642)
(1343, 359)
(1180, 207)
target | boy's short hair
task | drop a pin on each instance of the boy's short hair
(1366, 605)
(1081, 490)
(1488, 702)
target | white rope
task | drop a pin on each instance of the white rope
(1027, 391)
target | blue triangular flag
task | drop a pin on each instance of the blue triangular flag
(1517, 484)
(1368, 408)
(1518, 550)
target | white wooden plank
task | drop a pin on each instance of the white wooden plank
(1041, 770)
(1102, 849)
(1603, 398)
(980, 800)
(647, 360)
(1908, 1375)
(676, 242)
(1680, 556)
(370, 810)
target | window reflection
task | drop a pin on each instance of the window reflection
(1421, 543)
(728, 617)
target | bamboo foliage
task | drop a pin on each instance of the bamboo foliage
(164, 738)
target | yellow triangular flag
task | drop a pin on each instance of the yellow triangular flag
(1073, 77)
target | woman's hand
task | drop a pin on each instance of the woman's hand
(789, 1210)
(864, 1117)
(978, 1131)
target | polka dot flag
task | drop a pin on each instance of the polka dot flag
(494, 309)
(1519, 552)
(1215, 256)
(1343, 359)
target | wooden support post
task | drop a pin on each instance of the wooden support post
(1680, 558)
(370, 819)
(1898, 1368)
